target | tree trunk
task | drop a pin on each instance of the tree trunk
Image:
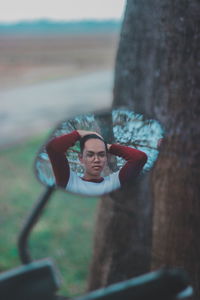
(122, 237)
(176, 176)
(156, 74)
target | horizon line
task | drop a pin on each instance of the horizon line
(54, 20)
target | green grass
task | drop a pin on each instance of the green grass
(64, 231)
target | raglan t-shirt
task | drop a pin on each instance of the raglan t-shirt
(80, 186)
(69, 180)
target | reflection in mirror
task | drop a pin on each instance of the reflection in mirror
(95, 154)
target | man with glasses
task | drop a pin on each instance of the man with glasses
(93, 157)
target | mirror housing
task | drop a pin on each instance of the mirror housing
(118, 126)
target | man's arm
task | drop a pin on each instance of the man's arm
(56, 149)
(136, 159)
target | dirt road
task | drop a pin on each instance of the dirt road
(35, 108)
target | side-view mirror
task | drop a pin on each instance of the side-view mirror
(98, 166)
(39, 279)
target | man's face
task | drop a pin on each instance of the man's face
(93, 158)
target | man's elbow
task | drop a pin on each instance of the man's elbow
(50, 147)
(143, 158)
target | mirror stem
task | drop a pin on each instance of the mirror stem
(29, 224)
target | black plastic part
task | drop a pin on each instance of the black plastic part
(30, 222)
(37, 280)
(160, 285)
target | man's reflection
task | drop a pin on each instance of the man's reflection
(93, 156)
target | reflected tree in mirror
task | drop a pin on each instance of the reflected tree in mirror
(127, 128)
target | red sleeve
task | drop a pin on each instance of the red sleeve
(56, 149)
(136, 159)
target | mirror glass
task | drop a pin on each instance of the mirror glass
(99, 167)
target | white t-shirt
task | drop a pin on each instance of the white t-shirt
(80, 186)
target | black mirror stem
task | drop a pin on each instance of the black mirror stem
(29, 224)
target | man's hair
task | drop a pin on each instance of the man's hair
(88, 137)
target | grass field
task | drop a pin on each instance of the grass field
(29, 60)
(65, 230)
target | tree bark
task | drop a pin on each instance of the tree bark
(122, 236)
(156, 74)
(176, 176)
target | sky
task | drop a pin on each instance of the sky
(18, 10)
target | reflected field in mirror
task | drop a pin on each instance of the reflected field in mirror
(130, 142)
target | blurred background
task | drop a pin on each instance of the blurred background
(56, 60)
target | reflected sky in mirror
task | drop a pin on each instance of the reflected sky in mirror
(121, 126)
